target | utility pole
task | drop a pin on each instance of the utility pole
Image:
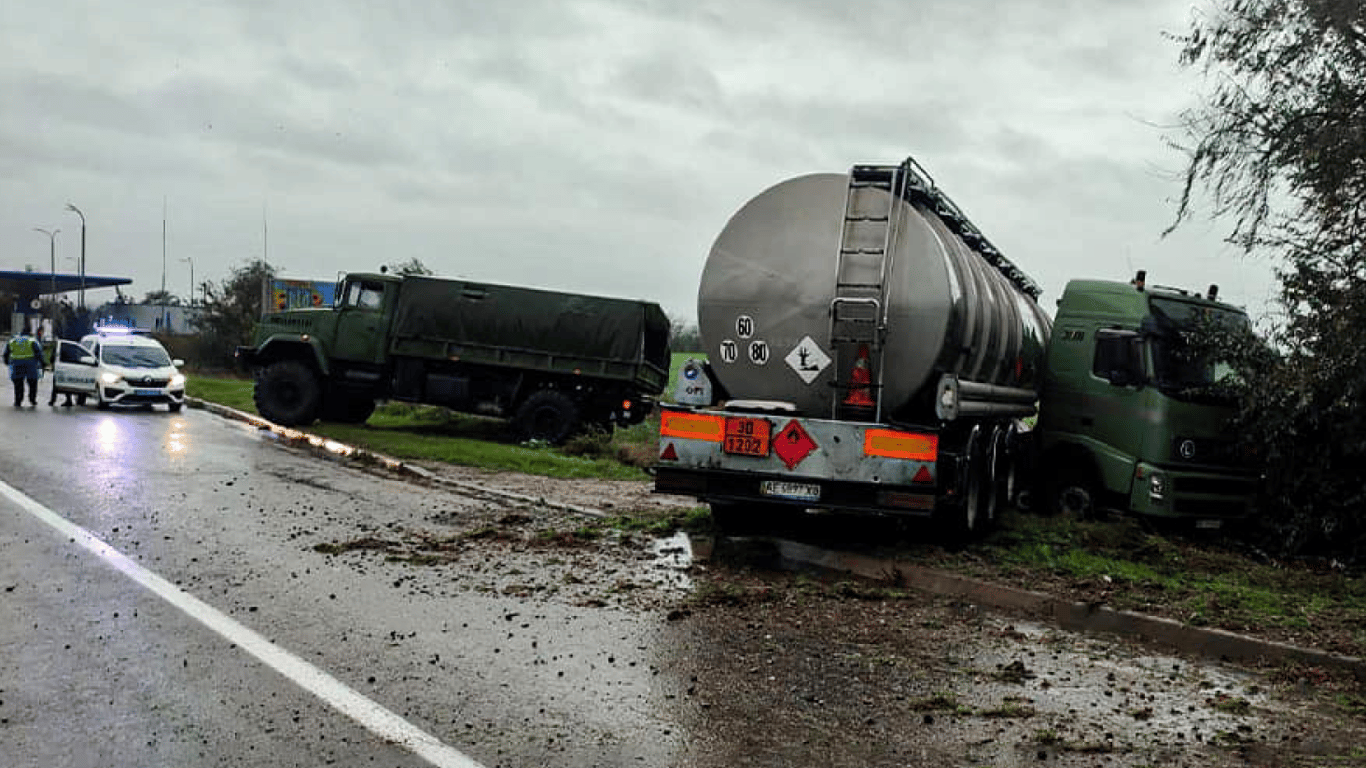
(191, 260)
(52, 256)
(77, 211)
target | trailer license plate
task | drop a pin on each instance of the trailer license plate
(785, 490)
(747, 436)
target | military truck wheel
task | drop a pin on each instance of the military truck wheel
(287, 393)
(548, 415)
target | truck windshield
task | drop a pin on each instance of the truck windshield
(1184, 368)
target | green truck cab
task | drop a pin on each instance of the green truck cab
(554, 363)
(1128, 416)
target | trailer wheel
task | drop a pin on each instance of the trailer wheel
(548, 415)
(1000, 479)
(287, 393)
(973, 511)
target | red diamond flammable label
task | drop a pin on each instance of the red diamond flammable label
(793, 444)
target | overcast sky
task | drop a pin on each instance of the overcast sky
(594, 146)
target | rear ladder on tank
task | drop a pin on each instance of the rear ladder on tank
(858, 311)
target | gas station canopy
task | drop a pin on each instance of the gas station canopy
(30, 285)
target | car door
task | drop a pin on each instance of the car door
(75, 368)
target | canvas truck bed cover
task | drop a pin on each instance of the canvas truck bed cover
(528, 327)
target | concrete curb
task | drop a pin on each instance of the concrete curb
(336, 449)
(1072, 616)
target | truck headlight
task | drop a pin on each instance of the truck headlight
(111, 378)
(1157, 487)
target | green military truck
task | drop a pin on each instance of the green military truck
(554, 363)
(1129, 414)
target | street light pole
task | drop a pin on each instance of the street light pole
(77, 211)
(52, 256)
(191, 260)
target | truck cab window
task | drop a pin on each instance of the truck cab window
(364, 295)
(1119, 357)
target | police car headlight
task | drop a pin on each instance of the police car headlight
(111, 378)
(178, 380)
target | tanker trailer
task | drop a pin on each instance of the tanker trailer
(870, 350)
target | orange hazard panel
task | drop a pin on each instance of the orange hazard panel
(894, 444)
(692, 426)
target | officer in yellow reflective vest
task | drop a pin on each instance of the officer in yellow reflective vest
(24, 355)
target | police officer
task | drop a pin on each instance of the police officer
(24, 355)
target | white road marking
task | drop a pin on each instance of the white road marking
(375, 718)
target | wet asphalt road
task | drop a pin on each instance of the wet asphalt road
(98, 670)
(163, 603)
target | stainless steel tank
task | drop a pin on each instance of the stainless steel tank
(764, 306)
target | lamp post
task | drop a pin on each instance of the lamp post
(77, 211)
(190, 259)
(52, 257)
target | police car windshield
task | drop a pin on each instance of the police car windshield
(135, 357)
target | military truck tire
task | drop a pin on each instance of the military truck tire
(548, 415)
(287, 393)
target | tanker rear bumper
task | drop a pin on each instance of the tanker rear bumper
(718, 485)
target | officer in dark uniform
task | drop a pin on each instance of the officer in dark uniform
(24, 355)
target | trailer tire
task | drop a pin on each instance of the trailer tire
(287, 392)
(548, 415)
(970, 514)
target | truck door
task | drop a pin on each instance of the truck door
(361, 323)
(1115, 412)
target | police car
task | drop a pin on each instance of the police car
(118, 367)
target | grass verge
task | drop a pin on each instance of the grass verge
(429, 433)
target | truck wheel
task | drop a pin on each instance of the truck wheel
(287, 393)
(548, 415)
(1072, 492)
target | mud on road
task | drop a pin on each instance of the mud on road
(782, 669)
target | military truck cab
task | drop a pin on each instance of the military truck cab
(1129, 417)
